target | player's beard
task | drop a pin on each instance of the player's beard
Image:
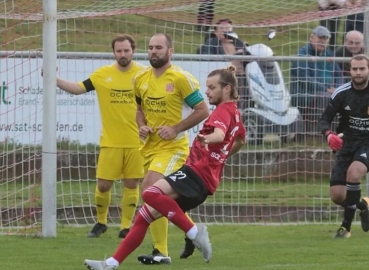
(359, 83)
(124, 62)
(160, 62)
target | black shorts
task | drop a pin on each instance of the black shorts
(344, 158)
(190, 187)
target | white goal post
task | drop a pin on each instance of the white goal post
(49, 155)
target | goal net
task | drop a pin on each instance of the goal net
(276, 178)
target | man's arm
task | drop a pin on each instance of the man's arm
(140, 117)
(71, 87)
(216, 137)
(325, 122)
(237, 145)
(199, 113)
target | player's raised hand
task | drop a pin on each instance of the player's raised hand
(144, 131)
(167, 133)
(334, 140)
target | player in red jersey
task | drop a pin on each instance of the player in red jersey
(222, 135)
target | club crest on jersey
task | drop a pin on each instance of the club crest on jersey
(169, 87)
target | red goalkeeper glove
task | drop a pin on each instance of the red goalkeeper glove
(334, 140)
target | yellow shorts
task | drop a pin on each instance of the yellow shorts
(120, 163)
(165, 162)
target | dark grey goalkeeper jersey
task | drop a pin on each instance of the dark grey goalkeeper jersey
(352, 106)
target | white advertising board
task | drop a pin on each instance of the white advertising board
(78, 117)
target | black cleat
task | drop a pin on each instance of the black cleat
(97, 230)
(188, 249)
(156, 257)
(123, 233)
(364, 215)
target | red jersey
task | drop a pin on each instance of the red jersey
(209, 164)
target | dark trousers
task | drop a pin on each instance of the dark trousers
(205, 14)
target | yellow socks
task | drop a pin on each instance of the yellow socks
(129, 205)
(159, 234)
(102, 201)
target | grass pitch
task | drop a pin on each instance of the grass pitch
(234, 247)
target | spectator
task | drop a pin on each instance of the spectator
(225, 41)
(312, 80)
(353, 45)
(332, 24)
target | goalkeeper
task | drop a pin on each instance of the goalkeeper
(351, 102)
(119, 156)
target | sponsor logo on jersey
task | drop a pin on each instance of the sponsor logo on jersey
(220, 124)
(169, 88)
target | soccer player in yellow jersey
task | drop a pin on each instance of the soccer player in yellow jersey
(168, 104)
(119, 157)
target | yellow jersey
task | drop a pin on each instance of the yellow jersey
(117, 104)
(166, 101)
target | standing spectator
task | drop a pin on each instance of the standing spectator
(205, 15)
(226, 41)
(332, 24)
(312, 82)
(168, 104)
(221, 136)
(353, 45)
(119, 156)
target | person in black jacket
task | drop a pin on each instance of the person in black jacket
(353, 44)
(351, 144)
(225, 41)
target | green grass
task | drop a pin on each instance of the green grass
(253, 192)
(234, 247)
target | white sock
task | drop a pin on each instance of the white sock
(112, 262)
(192, 232)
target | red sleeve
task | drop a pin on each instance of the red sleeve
(220, 118)
(242, 131)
